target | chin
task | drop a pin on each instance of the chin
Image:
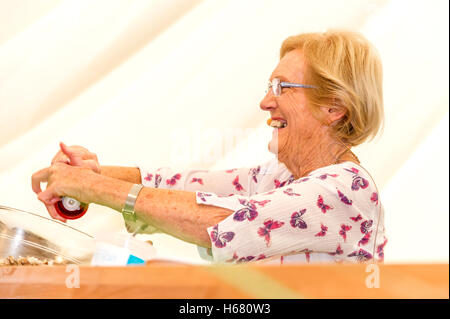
(278, 147)
(273, 146)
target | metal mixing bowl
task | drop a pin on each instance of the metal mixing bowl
(27, 234)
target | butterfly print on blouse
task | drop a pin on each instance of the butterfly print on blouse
(261, 256)
(358, 181)
(290, 192)
(234, 258)
(361, 255)
(149, 177)
(307, 253)
(248, 212)
(357, 218)
(323, 207)
(380, 249)
(279, 184)
(261, 203)
(324, 176)
(254, 172)
(291, 179)
(197, 180)
(297, 220)
(203, 195)
(338, 251)
(172, 181)
(237, 185)
(344, 230)
(220, 239)
(374, 198)
(231, 170)
(352, 170)
(363, 241)
(269, 225)
(323, 231)
(301, 180)
(158, 180)
(250, 258)
(344, 198)
(366, 225)
(242, 259)
(245, 259)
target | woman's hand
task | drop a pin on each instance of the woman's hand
(63, 180)
(77, 156)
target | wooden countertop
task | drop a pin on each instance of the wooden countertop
(171, 280)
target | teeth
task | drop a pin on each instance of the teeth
(277, 124)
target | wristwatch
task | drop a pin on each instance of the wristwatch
(128, 209)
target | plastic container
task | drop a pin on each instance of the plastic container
(118, 249)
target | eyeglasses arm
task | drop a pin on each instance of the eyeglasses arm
(295, 85)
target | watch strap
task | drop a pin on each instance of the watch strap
(128, 209)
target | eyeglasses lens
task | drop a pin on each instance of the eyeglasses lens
(276, 87)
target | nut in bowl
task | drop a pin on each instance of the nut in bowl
(31, 261)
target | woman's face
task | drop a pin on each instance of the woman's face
(291, 106)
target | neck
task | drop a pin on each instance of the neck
(319, 151)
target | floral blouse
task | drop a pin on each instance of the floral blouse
(331, 215)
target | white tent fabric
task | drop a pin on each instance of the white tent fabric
(164, 82)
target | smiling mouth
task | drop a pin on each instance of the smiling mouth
(277, 123)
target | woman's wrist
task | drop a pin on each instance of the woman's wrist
(109, 191)
(129, 174)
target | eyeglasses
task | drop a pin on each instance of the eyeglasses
(276, 85)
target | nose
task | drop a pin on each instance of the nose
(268, 103)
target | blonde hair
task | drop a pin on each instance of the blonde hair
(346, 69)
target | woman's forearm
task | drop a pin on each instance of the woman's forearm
(128, 174)
(174, 212)
(177, 213)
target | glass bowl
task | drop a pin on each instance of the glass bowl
(30, 235)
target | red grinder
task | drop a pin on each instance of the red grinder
(70, 208)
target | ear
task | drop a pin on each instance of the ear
(333, 113)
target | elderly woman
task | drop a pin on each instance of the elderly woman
(314, 203)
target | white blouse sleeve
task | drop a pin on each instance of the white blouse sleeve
(333, 211)
(239, 181)
(223, 182)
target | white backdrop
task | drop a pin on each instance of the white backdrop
(123, 77)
